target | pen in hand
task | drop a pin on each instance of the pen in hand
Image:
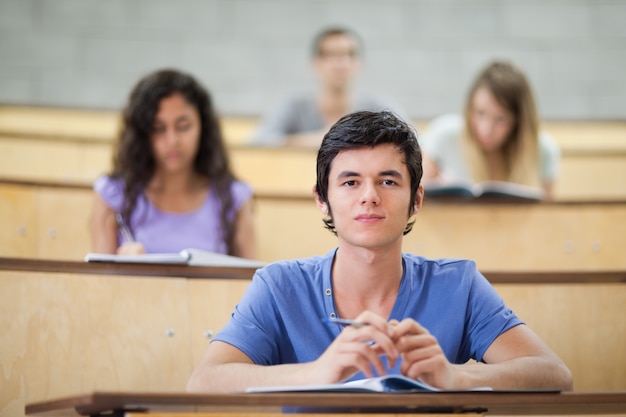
(344, 322)
(348, 322)
(124, 229)
(351, 323)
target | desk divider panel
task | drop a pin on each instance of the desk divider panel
(72, 332)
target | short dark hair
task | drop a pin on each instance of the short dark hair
(368, 129)
(316, 47)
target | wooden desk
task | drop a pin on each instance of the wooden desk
(51, 221)
(347, 404)
(498, 236)
(74, 326)
(71, 327)
(75, 146)
(92, 125)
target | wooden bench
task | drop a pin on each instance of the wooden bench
(91, 125)
(75, 146)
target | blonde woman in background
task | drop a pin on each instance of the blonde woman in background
(498, 139)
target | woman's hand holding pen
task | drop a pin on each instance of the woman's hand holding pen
(131, 248)
(358, 348)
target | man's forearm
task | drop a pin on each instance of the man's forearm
(529, 372)
(237, 377)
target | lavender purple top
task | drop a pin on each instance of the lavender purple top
(163, 232)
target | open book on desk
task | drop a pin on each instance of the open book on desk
(386, 383)
(192, 257)
(486, 189)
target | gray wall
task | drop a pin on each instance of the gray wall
(422, 53)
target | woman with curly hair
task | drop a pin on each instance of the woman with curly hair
(171, 182)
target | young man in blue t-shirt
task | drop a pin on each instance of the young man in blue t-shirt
(424, 318)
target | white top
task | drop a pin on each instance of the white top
(441, 142)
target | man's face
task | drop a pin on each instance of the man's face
(337, 61)
(369, 192)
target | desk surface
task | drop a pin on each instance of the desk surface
(185, 271)
(520, 403)
(134, 269)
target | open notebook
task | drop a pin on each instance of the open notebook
(386, 383)
(487, 189)
(193, 257)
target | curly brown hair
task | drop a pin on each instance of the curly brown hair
(134, 162)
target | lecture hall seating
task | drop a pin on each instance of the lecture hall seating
(77, 330)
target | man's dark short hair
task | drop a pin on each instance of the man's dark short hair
(369, 129)
(316, 47)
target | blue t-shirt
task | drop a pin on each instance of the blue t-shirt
(279, 318)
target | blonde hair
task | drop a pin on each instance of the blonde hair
(512, 91)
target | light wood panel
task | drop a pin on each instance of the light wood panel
(18, 219)
(506, 237)
(103, 125)
(592, 177)
(584, 137)
(75, 146)
(45, 222)
(211, 303)
(583, 323)
(67, 333)
(523, 236)
(63, 217)
(48, 160)
(289, 228)
(283, 171)
(62, 123)
(93, 125)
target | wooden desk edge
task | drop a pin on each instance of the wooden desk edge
(187, 271)
(493, 402)
(113, 268)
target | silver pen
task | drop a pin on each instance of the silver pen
(349, 322)
(344, 322)
(124, 229)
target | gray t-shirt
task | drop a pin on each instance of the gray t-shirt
(300, 114)
(442, 143)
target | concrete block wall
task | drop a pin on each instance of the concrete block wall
(422, 54)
